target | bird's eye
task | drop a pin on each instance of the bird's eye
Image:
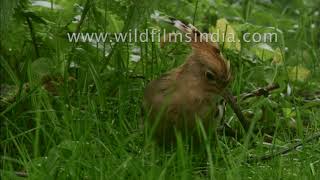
(210, 76)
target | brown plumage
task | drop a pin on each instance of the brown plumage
(189, 92)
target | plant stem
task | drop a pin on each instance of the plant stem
(33, 36)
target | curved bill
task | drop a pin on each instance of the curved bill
(226, 94)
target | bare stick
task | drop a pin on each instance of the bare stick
(265, 91)
(285, 150)
(21, 174)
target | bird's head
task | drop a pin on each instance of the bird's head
(206, 64)
(213, 66)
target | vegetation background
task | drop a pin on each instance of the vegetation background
(72, 110)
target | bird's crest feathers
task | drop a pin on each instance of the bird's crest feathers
(200, 44)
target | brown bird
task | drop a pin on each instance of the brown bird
(190, 92)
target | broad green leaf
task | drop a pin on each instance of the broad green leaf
(226, 35)
(277, 57)
(266, 52)
(263, 51)
(298, 73)
(288, 113)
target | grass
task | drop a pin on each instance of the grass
(82, 121)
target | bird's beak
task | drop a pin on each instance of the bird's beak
(231, 100)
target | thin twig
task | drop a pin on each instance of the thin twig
(265, 91)
(285, 150)
(21, 174)
(137, 77)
